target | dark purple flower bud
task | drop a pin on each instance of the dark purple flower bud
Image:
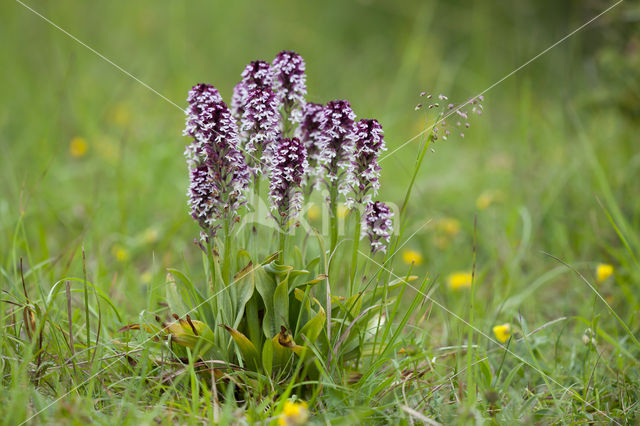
(260, 127)
(219, 174)
(287, 169)
(369, 143)
(377, 225)
(310, 133)
(337, 149)
(257, 74)
(290, 83)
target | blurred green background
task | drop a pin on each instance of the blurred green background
(555, 136)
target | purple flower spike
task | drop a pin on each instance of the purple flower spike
(290, 83)
(257, 74)
(377, 225)
(337, 149)
(287, 169)
(369, 143)
(310, 133)
(202, 98)
(218, 173)
(259, 127)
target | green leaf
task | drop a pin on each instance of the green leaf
(266, 286)
(191, 334)
(175, 298)
(281, 302)
(277, 269)
(313, 263)
(245, 286)
(312, 329)
(247, 348)
(316, 280)
(267, 357)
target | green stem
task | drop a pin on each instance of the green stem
(333, 217)
(226, 261)
(356, 246)
(471, 387)
(86, 303)
(283, 242)
(254, 229)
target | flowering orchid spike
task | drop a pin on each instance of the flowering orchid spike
(290, 83)
(369, 143)
(201, 99)
(257, 74)
(287, 169)
(218, 173)
(337, 146)
(259, 127)
(310, 133)
(377, 225)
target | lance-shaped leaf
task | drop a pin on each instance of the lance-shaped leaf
(192, 334)
(316, 280)
(247, 349)
(245, 283)
(175, 298)
(312, 329)
(266, 286)
(281, 301)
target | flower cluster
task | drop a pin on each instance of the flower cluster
(259, 127)
(256, 74)
(369, 143)
(268, 108)
(218, 172)
(337, 146)
(290, 82)
(202, 99)
(311, 134)
(286, 171)
(377, 221)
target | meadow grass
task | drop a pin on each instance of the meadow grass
(537, 194)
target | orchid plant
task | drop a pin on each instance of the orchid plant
(285, 308)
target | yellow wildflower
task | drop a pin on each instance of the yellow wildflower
(411, 256)
(313, 212)
(78, 147)
(120, 253)
(603, 271)
(502, 332)
(294, 413)
(459, 280)
(448, 226)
